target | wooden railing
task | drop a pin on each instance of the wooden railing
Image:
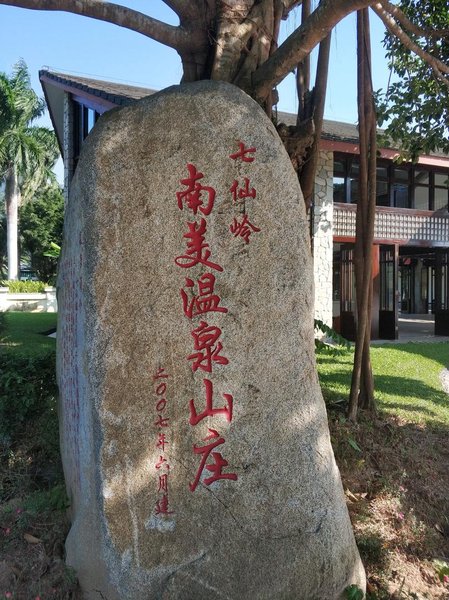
(395, 224)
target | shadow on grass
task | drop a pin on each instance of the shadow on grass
(410, 388)
(335, 388)
(395, 390)
(438, 351)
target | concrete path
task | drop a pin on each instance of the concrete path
(416, 328)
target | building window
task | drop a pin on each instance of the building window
(401, 188)
(382, 188)
(422, 198)
(346, 179)
(84, 118)
(441, 191)
(397, 186)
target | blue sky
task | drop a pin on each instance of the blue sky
(75, 44)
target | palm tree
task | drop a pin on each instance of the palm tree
(27, 152)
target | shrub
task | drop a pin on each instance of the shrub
(338, 345)
(2, 325)
(24, 287)
(373, 551)
(27, 392)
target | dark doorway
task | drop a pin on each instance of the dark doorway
(388, 306)
(442, 291)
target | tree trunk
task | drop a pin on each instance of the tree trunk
(308, 171)
(303, 72)
(362, 385)
(12, 201)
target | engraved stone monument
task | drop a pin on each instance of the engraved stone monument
(195, 441)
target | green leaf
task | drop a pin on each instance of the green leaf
(353, 592)
(353, 444)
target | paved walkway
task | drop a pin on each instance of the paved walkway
(416, 328)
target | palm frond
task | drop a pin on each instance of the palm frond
(33, 150)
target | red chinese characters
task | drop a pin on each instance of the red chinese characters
(243, 228)
(162, 465)
(206, 342)
(243, 153)
(242, 192)
(208, 352)
(216, 468)
(196, 196)
(205, 301)
(210, 411)
(197, 251)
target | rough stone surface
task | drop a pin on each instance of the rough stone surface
(281, 529)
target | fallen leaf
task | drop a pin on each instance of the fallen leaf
(31, 539)
(350, 495)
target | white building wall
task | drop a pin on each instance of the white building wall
(45, 302)
(322, 237)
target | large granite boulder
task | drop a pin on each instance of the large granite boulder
(194, 436)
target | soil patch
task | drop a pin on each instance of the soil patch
(397, 484)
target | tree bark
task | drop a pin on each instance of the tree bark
(243, 40)
(308, 171)
(303, 73)
(12, 201)
(362, 385)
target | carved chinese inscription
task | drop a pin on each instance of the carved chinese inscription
(162, 466)
(242, 227)
(200, 297)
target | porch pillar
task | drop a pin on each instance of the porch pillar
(375, 270)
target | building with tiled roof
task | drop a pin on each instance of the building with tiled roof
(411, 245)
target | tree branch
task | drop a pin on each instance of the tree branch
(172, 36)
(303, 72)
(437, 66)
(301, 42)
(308, 173)
(235, 28)
(398, 14)
(185, 10)
(289, 5)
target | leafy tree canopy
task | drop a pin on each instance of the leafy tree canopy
(27, 152)
(41, 223)
(416, 104)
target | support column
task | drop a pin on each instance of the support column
(322, 237)
(375, 270)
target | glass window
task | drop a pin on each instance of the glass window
(440, 199)
(422, 177)
(339, 189)
(442, 179)
(354, 171)
(90, 119)
(382, 172)
(339, 167)
(401, 174)
(382, 198)
(421, 198)
(400, 195)
(354, 190)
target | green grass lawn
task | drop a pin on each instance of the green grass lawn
(406, 377)
(23, 333)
